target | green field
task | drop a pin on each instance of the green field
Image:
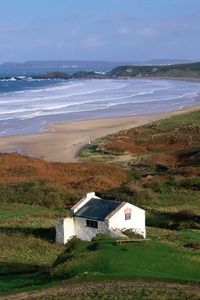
(30, 259)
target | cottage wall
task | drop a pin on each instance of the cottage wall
(64, 230)
(86, 233)
(114, 223)
(136, 223)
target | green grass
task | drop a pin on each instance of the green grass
(90, 152)
(152, 260)
(19, 210)
(174, 196)
(27, 248)
(185, 119)
(31, 262)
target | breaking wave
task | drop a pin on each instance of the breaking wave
(50, 101)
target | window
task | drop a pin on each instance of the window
(127, 216)
(127, 213)
(90, 223)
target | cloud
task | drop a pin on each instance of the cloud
(146, 32)
(93, 42)
(8, 28)
(73, 33)
(116, 19)
(124, 30)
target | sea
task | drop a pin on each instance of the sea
(28, 105)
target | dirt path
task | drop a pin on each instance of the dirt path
(78, 289)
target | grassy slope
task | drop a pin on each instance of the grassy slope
(31, 259)
(152, 260)
(179, 70)
(163, 160)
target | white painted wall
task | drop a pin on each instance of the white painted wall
(65, 230)
(87, 233)
(136, 223)
(76, 226)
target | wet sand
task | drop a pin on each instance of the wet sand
(62, 141)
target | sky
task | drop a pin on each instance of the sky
(114, 30)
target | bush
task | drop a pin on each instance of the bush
(94, 246)
(122, 193)
(36, 193)
(194, 245)
(161, 168)
(193, 184)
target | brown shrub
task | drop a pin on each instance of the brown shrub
(70, 176)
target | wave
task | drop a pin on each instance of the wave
(16, 78)
(60, 87)
(61, 96)
(42, 108)
(111, 97)
(52, 107)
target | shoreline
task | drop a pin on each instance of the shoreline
(63, 141)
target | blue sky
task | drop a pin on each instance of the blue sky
(116, 30)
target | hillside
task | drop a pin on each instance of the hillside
(156, 166)
(176, 70)
(34, 181)
(163, 159)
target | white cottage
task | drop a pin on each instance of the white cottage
(93, 215)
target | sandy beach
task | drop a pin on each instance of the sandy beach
(62, 141)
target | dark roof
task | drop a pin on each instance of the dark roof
(97, 209)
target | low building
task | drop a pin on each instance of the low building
(93, 215)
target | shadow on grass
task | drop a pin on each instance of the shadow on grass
(17, 277)
(19, 268)
(183, 219)
(47, 234)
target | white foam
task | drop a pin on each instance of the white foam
(79, 96)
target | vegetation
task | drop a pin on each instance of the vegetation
(187, 70)
(34, 181)
(53, 75)
(66, 76)
(31, 261)
(121, 293)
(177, 70)
(161, 174)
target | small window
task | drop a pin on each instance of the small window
(127, 213)
(127, 216)
(90, 223)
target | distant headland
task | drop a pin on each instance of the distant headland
(56, 70)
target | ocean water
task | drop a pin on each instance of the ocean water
(27, 105)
